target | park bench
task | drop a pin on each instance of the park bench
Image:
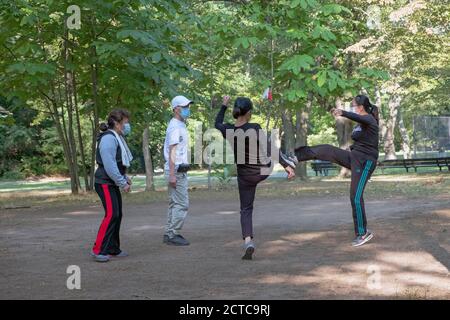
(323, 167)
(415, 163)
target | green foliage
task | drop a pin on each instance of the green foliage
(223, 174)
(139, 54)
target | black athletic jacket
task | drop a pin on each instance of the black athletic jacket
(253, 162)
(365, 134)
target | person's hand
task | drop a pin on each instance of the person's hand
(127, 188)
(129, 181)
(291, 172)
(336, 112)
(226, 100)
(173, 181)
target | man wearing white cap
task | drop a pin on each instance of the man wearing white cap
(175, 169)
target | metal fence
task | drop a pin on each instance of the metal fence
(431, 136)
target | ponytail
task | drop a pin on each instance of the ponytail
(116, 115)
(375, 113)
(103, 126)
(242, 105)
(368, 107)
(236, 112)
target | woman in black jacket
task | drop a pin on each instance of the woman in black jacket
(361, 159)
(251, 167)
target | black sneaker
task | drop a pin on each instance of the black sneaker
(249, 250)
(360, 240)
(291, 161)
(178, 240)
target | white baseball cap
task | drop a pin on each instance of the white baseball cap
(180, 101)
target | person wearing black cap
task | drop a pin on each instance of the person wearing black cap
(361, 159)
(252, 164)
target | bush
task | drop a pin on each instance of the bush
(327, 136)
(224, 173)
(13, 175)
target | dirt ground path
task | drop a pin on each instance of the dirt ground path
(303, 252)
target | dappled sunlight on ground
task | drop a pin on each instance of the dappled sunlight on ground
(395, 274)
(303, 246)
(443, 214)
(146, 227)
(227, 212)
(81, 213)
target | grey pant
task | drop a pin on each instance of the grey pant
(178, 204)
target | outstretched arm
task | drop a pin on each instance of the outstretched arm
(367, 119)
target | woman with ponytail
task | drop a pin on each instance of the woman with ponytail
(252, 166)
(361, 159)
(113, 157)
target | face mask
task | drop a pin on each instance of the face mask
(126, 129)
(353, 109)
(185, 113)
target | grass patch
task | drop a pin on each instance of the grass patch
(423, 185)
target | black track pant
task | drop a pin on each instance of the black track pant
(108, 241)
(362, 167)
(247, 189)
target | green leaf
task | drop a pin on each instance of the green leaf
(31, 68)
(317, 31)
(328, 35)
(303, 4)
(341, 83)
(28, 20)
(332, 84)
(333, 9)
(312, 3)
(156, 57)
(144, 37)
(244, 42)
(297, 62)
(295, 3)
(321, 78)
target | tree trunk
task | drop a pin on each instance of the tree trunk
(58, 118)
(94, 77)
(288, 130)
(53, 108)
(389, 146)
(406, 144)
(301, 139)
(149, 182)
(73, 160)
(344, 130)
(87, 185)
(382, 123)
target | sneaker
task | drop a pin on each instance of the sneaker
(360, 240)
(165, 238)
(178, 240)
(249, 250)
(291, 161)
(101, 258)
